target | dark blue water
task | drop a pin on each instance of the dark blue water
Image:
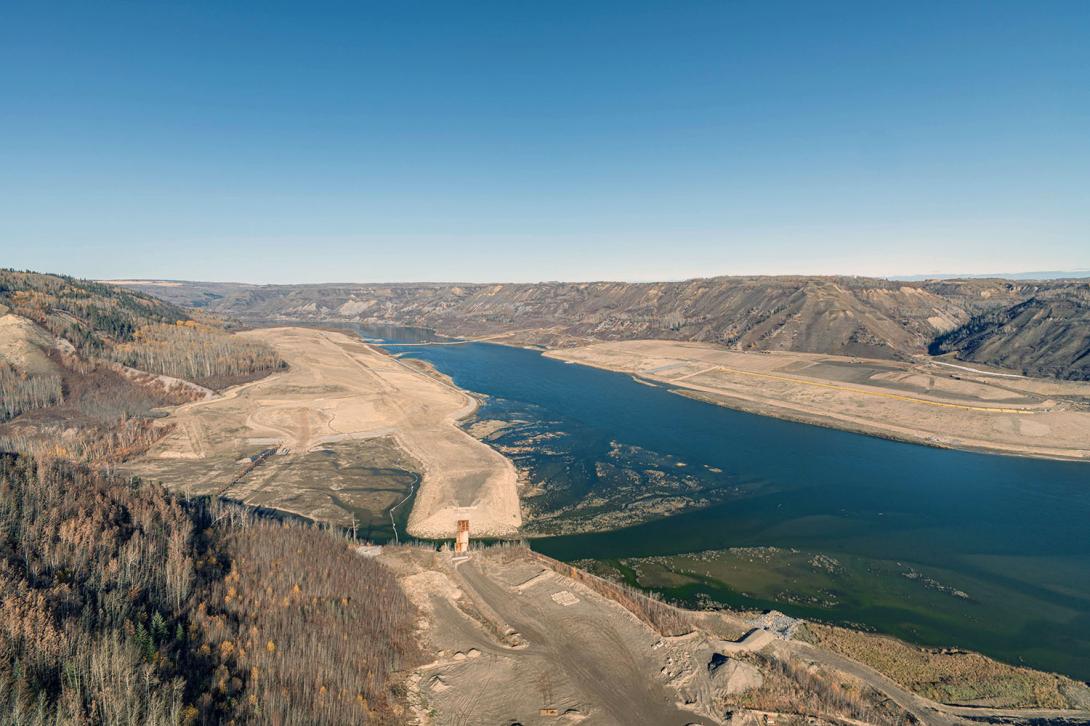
(1014, 532)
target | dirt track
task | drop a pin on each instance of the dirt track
(506, 651)
(339, 390)
(919, 402)
(595, 653)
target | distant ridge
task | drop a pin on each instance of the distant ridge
(1081, 274)
(851, 316)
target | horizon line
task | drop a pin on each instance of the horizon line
(1028, 276)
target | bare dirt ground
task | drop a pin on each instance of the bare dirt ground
(259, 442)
(23, 345)
(515, 641)
(928, 401)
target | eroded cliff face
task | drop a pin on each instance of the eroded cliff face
(837, 315)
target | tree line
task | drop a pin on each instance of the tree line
(20, 391)
(90, 315)
(194, 352)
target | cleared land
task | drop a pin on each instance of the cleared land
(310, 441)
(516, 639)
(923, 402)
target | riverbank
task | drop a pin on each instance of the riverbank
(918, 402)
(277, 442)
(598, 450)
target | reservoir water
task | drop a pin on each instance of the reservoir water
(943, 548)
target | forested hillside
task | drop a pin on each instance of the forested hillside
(89, 315)
(122, 605)
(133, 328)
(194, 352)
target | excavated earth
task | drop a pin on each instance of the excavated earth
(263, 442)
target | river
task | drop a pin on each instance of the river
(939, 547)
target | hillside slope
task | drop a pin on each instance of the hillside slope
(1047, 335)
(84, 365)
(126, 326)
(837, 315)
(89, 315)
(125, 604)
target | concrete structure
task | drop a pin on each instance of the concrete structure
(461, 541)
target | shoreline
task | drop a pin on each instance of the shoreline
(424, 369)
(785, 412)
(864, 430)
(753, 400)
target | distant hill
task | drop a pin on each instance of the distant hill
(839, 315)
(1036, 275)
(182, 292)
(1047, 335)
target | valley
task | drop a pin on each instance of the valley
(390, 435)
(614, 469)
(545, 364)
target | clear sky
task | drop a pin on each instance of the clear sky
(473, 141)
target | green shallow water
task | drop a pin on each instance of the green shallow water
(1009, 534)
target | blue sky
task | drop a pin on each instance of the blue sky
(520, 141)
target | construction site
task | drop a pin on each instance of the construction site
(346, 431)
(518, 637)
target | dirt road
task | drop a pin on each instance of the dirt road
(534, 653)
